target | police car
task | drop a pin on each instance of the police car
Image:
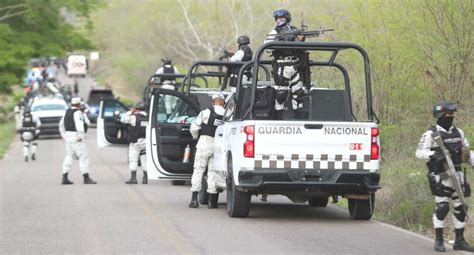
(333, 151)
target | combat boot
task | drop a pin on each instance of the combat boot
(213, 198)
(66, 181)
(145, 177)
(26, 158)
(33, 157)
(460, 243)
(439, 241)
(194, 200)
(133, 178)
(88, 180)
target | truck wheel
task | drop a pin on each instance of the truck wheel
(203, 195)
(362, 209)
(318, 201)
(178, 182)
(238, 202)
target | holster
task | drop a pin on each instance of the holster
(465, 154)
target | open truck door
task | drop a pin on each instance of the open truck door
(110, 131)
(168, 134)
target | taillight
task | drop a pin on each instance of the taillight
(374, 148)
(249, 145)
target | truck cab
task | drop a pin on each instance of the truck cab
(331, 147)
(171, 113)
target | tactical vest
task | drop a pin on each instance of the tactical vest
(28, 120)
(290, 36)
(139, 129)
(69, 124)
(213, 122)
(453, 143)
(168, 69)
(248, 54)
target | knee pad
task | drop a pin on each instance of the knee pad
(281, 96)
(281, 80)
(459, 213)
(442, 210)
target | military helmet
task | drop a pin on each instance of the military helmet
(243, 39)
(282, 13)
(166, 61)
(140, 105)
(442, 108)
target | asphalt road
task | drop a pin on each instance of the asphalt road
(38, 215)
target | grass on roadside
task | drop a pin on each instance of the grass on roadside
(7, 134)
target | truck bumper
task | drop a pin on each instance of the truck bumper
(308, 182)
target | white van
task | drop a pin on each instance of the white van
(76, 65)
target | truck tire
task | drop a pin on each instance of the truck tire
(178, 182)
(318, 201)
(238, 202)
(362, 209)
(203, 195)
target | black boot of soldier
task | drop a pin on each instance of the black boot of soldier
(194, 201)
(133, 178)
(145, 177)
(213, 198)
(66, 181)
(26, 159)
(459, 243)
(439, 241)
(88, 180)
(33, 157)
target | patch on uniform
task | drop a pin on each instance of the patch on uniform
(311, 161)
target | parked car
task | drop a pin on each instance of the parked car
(93, 101)
(49, 111)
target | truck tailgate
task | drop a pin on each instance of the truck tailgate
(313, 145)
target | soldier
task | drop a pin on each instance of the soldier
(290, 67)
(136, 120)
(29, 133)
(72, 128)
(204, 128)
(243, 54)
(167, 68)
(441, 186)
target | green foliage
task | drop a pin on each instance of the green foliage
(7, 133)
(31, 28)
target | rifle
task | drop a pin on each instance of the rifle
(306, 34)
(451, 171)
(225, 53)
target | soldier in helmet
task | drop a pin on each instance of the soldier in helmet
(441, 187)
(136, 120)
(167, 68)
(29, 133)
(243, 54)
(290, 67)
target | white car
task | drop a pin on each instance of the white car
(49, 111)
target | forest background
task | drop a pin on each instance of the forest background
(421, 51)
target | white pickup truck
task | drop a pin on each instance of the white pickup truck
(326, 153)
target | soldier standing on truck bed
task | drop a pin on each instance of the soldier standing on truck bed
(442, 186)
(290, 67)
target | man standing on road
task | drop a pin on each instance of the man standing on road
(204, 128)
(440, 184)
(29, 133)
(136, 120)
(72, 128)
(290, 67)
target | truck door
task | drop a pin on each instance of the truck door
(168, 135)
(110, 132)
